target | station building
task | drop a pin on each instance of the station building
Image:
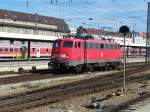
(132, 38)
(24, 23)
(16, 28)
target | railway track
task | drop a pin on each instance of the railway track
(115, 108)
(47, 71)
(68, 90)
(45, 74)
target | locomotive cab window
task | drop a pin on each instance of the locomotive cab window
(68, 44)
(77, 45)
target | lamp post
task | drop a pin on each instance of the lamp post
(124, 30)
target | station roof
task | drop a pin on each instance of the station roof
(27, 17)
(26, 37)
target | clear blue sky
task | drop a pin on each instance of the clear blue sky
(104, 13)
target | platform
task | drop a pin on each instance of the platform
(41, 64)
(26, 65)
(143, 106)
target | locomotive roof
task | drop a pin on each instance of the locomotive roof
(89, 40)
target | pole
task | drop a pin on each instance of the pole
(124, 30)
(147, 35)
(124, 70)
(29, 50)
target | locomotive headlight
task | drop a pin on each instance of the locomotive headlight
(63, 56)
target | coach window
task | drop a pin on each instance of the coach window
(16, 49)
(47, 50)
(6, 49)
(33, 49)
(1, 49)
(68, 44)
(11, 50)
(21, 49)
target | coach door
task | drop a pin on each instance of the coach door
(23, 52)
(38, 53)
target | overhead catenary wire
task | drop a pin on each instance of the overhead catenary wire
(75, 7)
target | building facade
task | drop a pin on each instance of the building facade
(132, 38)
(24, 23)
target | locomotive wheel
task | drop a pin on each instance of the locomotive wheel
(77, 69)
(113, 67)
(91, 68)
(117, 68)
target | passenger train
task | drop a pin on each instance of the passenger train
(134, 51)
(38, 50)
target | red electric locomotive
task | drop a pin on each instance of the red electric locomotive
(79, 54)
